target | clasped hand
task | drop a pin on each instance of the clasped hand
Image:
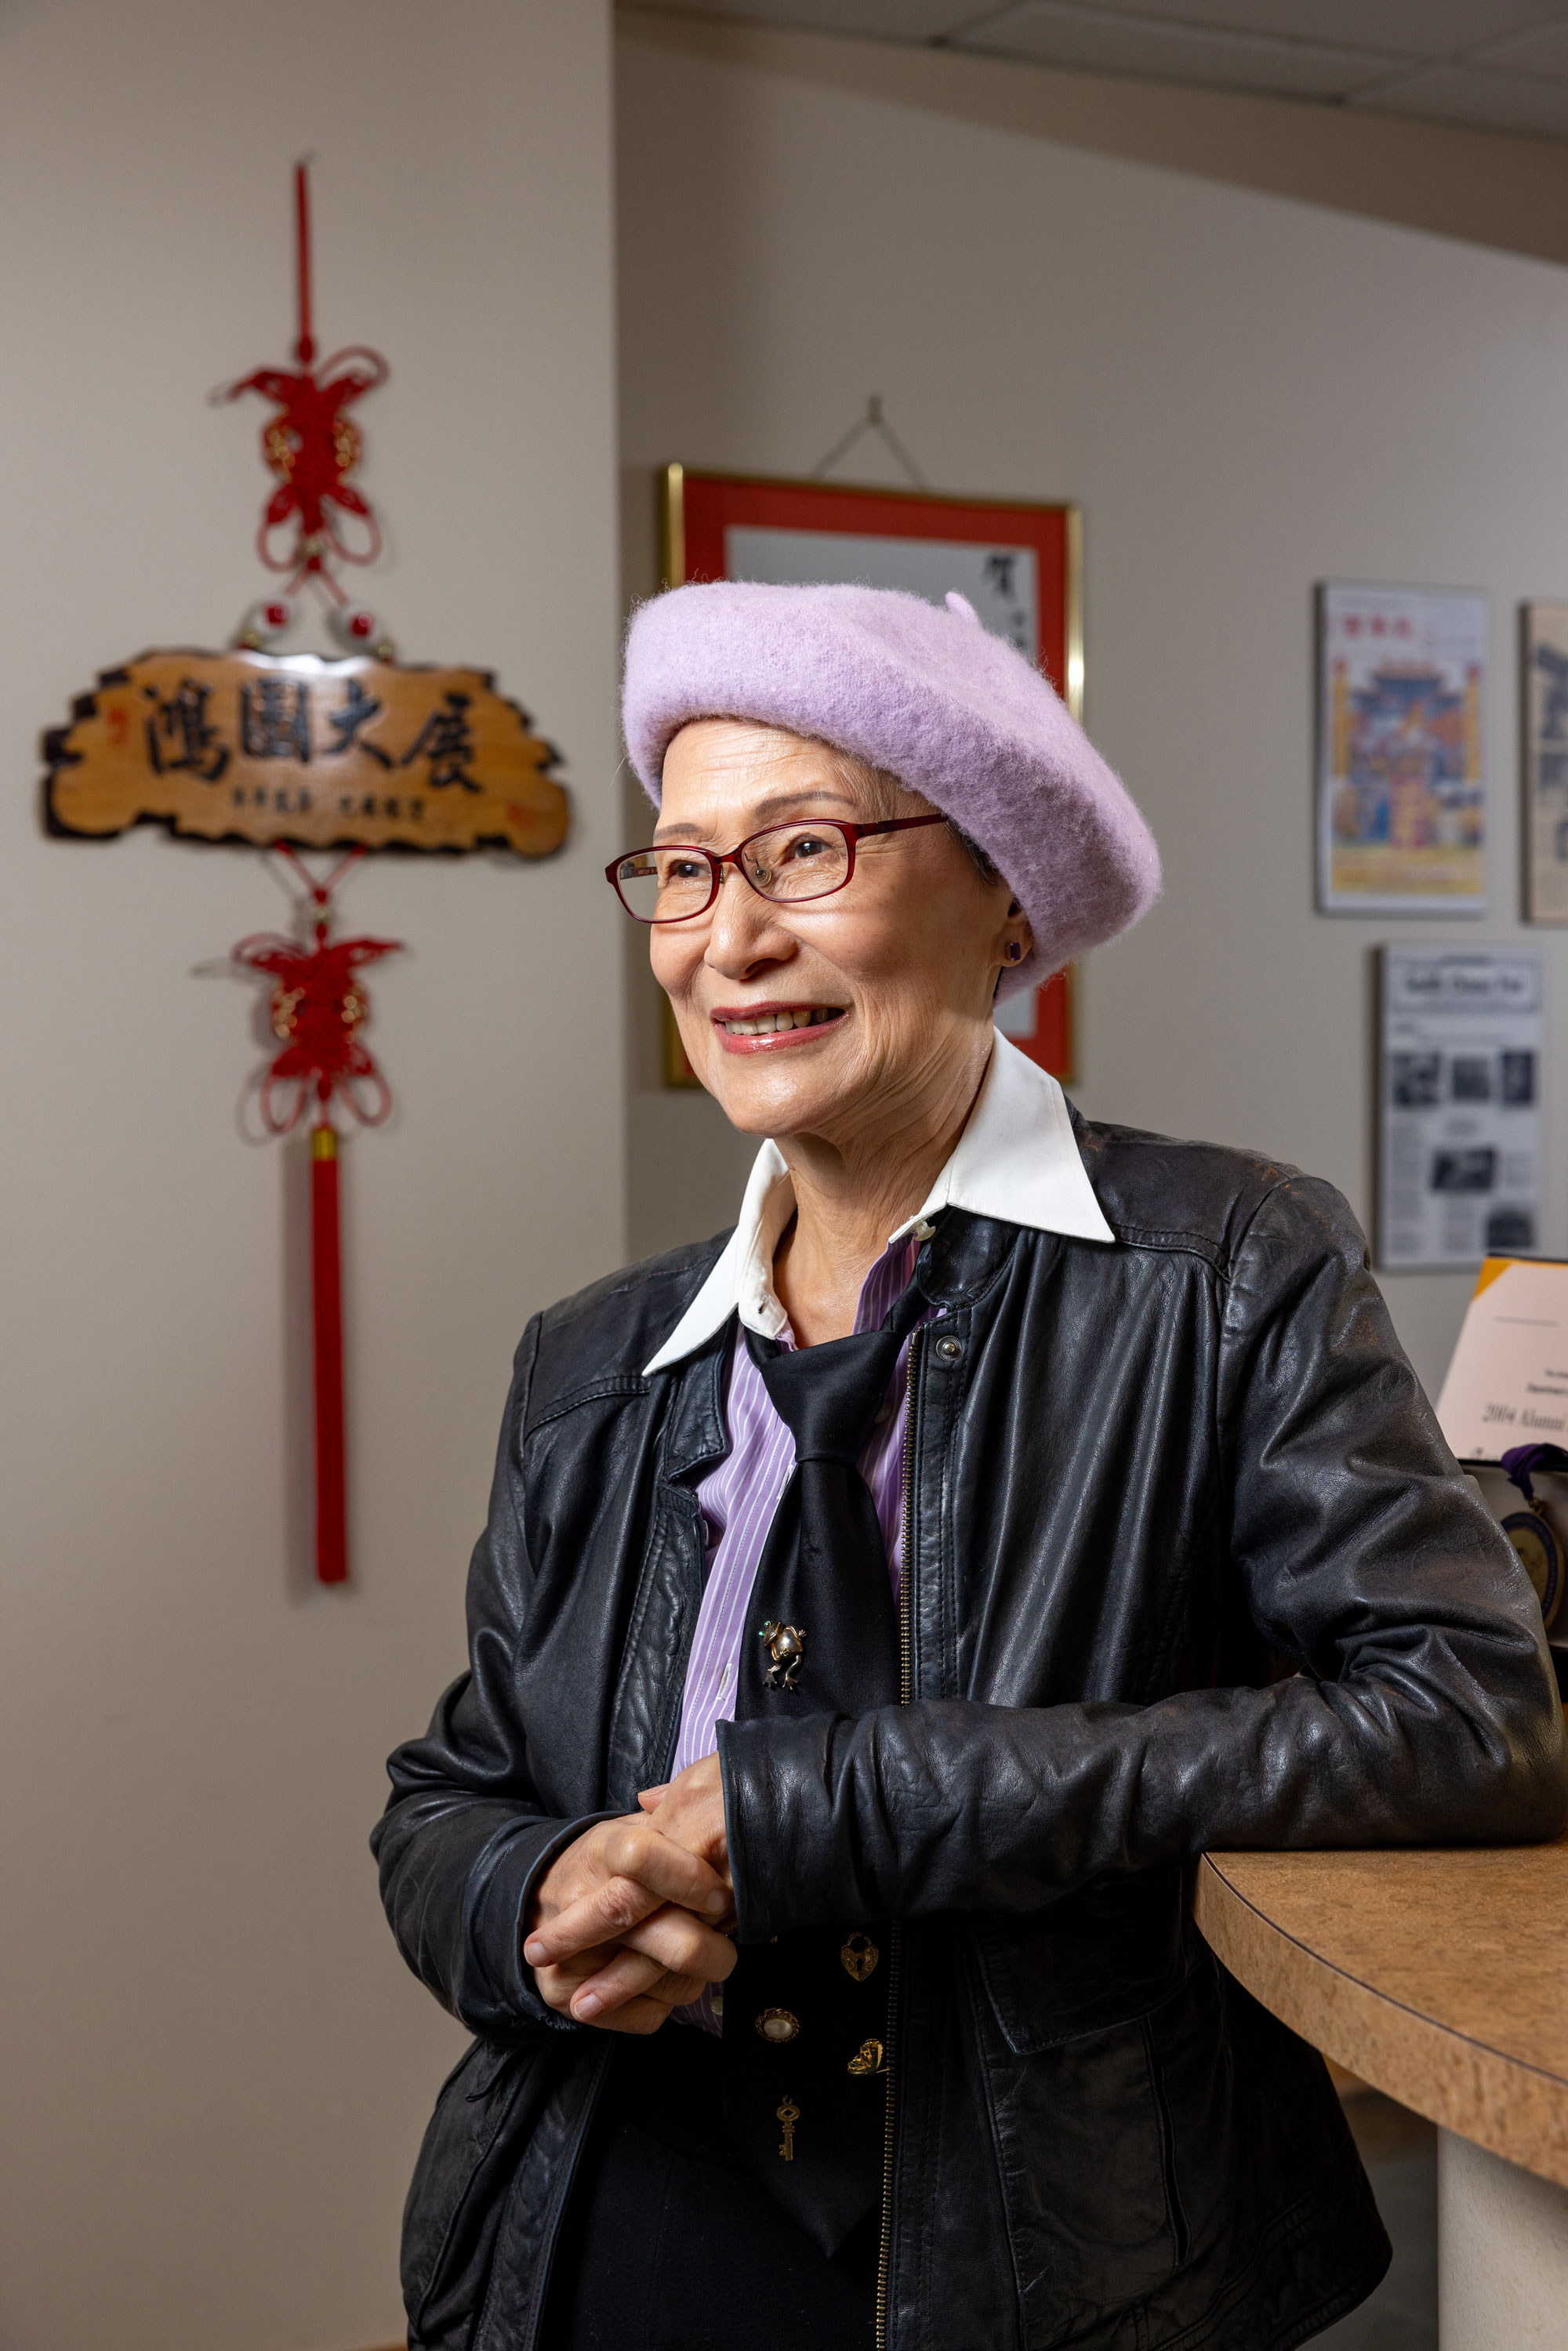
(629, 1919)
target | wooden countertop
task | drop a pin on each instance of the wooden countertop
(1440, 1978)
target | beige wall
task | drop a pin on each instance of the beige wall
(1493, 187)
(1247, 393)
(218, 2069)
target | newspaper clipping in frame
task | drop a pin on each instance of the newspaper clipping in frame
(1402, 803)
(1459, 1108)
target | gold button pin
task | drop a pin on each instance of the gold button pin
(777, 2024)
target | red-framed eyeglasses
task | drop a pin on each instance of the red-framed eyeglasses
(788, 865)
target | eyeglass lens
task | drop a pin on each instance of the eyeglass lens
(790, 863)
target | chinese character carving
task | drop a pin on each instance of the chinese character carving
(359, 709)
(445, 740)
(180, 722)
(274, 719)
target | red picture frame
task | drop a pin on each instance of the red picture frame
(700, 512)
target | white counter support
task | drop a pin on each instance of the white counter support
(1502, 2253)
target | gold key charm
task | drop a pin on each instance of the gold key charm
(789, 2113)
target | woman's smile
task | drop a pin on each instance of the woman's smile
(765, 1028)
(816, 1021)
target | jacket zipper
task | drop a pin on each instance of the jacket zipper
(896, 1939)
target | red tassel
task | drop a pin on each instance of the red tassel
(331, 1537)
(318, 1007)
(305, 349)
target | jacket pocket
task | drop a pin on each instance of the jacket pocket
(1194, 2074)
(1112, 1952)
(1107, 2073)
(485, 2113)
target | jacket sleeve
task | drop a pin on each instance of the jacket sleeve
(1425, 1710)
(464, 1839)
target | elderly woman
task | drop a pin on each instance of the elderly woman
(880, 1604)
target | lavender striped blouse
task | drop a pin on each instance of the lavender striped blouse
(738, 1499)
(1017, 1160)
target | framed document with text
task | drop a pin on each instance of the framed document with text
(1020, 566)
(1458, 1128)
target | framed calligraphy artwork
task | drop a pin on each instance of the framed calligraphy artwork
(1019, 564)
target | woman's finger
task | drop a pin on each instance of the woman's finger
(691, 1812)
(621, 1979)
(608, 1912)
(637, 1848)
(683, 1944)
(645, 2014)
(606, 1915)
(629, 1976)
(557, 1986)
(666, 1930)
(642, 2012)
(578, 1968)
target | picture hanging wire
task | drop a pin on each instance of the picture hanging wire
(874, 421)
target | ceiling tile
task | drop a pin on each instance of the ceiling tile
(1416, 29)
(1103, 40)
(887, 20)
(1475, 95)
(1545, 52)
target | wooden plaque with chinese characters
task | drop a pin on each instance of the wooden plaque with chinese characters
(324, 754)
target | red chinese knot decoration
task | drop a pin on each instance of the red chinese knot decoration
(286, 751)
(318, 1005)
(312, 444)
(318, 1008)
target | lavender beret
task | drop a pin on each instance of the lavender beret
(929, 695)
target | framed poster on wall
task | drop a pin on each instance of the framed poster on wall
(1402, 803)
(1458, 1126)
(1020, 566)
(1544, 702)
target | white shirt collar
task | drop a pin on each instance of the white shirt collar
(1016, 1161)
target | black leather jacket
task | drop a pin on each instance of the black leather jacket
(1135, 1472)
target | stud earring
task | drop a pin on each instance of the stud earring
(1015, 951)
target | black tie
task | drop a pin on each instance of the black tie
(805, 2016)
